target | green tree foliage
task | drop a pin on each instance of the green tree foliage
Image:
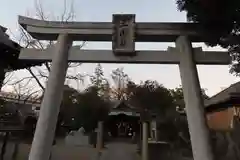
(219, 24)
(100, 82)
(91, 109)
(178, 97)
(179, 124)
(151, 96)
(84, 109)
(154, 97)
(68, 106)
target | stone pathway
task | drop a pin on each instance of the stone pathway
(113, 151)
(120, 151)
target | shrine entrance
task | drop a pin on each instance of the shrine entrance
(123, 126)
(123, 32)
(123, 120)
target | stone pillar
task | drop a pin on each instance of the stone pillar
(100, 136)
(144, 140)
(46, 125)
(154, 129)
(200, 140)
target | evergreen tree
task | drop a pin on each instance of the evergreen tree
(100, 82)
(219, 24)
(121, 81)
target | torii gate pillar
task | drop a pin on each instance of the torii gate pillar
(200, 140)
(46, 125)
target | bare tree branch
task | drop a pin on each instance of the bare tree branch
(30, 95)
(37, 80)
(28, 42)
(39, 10)
(47, 66)
(8, 78)
(21, 80)
(24, 94)
(64, 10)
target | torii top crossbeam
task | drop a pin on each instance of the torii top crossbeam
(123, 29)
(103, 31)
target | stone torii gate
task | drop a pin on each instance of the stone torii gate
(123, 32)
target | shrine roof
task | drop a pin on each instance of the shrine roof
(228, 97)
(123, 105)
(126, 106)
(10, 51)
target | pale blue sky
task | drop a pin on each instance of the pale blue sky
(213, 78)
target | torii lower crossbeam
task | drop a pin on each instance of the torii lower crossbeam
(171, 56)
